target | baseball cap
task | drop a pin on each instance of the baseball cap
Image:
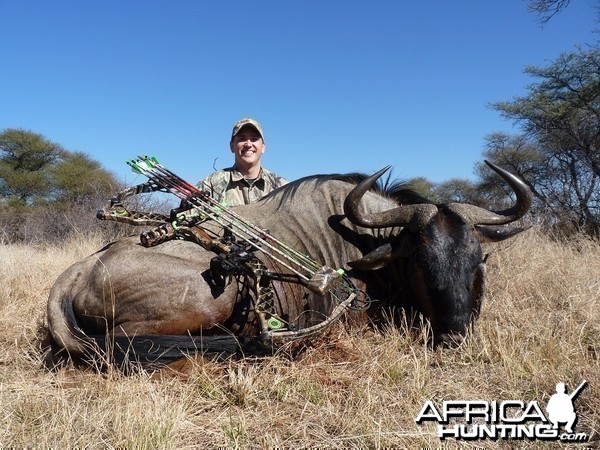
(242, 123)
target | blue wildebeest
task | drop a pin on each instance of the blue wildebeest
(394, 246)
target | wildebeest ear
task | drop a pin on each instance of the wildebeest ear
(373, 260)
(490, 233)
(379, 257)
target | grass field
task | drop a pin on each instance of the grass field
(540, 324)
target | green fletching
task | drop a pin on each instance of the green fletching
(135, 167)
(143, 165)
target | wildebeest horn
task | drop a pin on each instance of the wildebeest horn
(475, 215)
(414, 217)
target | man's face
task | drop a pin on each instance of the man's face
(247, 146)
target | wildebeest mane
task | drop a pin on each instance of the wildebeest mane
(398, 190)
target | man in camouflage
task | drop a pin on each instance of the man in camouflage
(246, 181)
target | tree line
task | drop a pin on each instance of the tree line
(556, 152)
(47, 191)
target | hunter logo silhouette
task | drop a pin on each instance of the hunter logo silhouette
(560, 406)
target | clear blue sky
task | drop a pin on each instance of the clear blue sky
(339, 86)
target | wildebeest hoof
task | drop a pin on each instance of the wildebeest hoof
(448, 340)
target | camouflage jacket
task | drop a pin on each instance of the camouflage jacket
(230, 188)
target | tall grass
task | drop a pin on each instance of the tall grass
(540, 325)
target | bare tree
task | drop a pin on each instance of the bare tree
(546, 9)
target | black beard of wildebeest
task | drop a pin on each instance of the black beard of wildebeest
(400, 249)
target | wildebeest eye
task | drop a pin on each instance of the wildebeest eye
(484, 260)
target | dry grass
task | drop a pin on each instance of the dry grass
(540, 325)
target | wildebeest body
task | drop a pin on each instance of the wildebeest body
(429, 258)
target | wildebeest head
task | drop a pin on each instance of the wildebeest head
(440, 247)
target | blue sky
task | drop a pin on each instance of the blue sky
(339, 86)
